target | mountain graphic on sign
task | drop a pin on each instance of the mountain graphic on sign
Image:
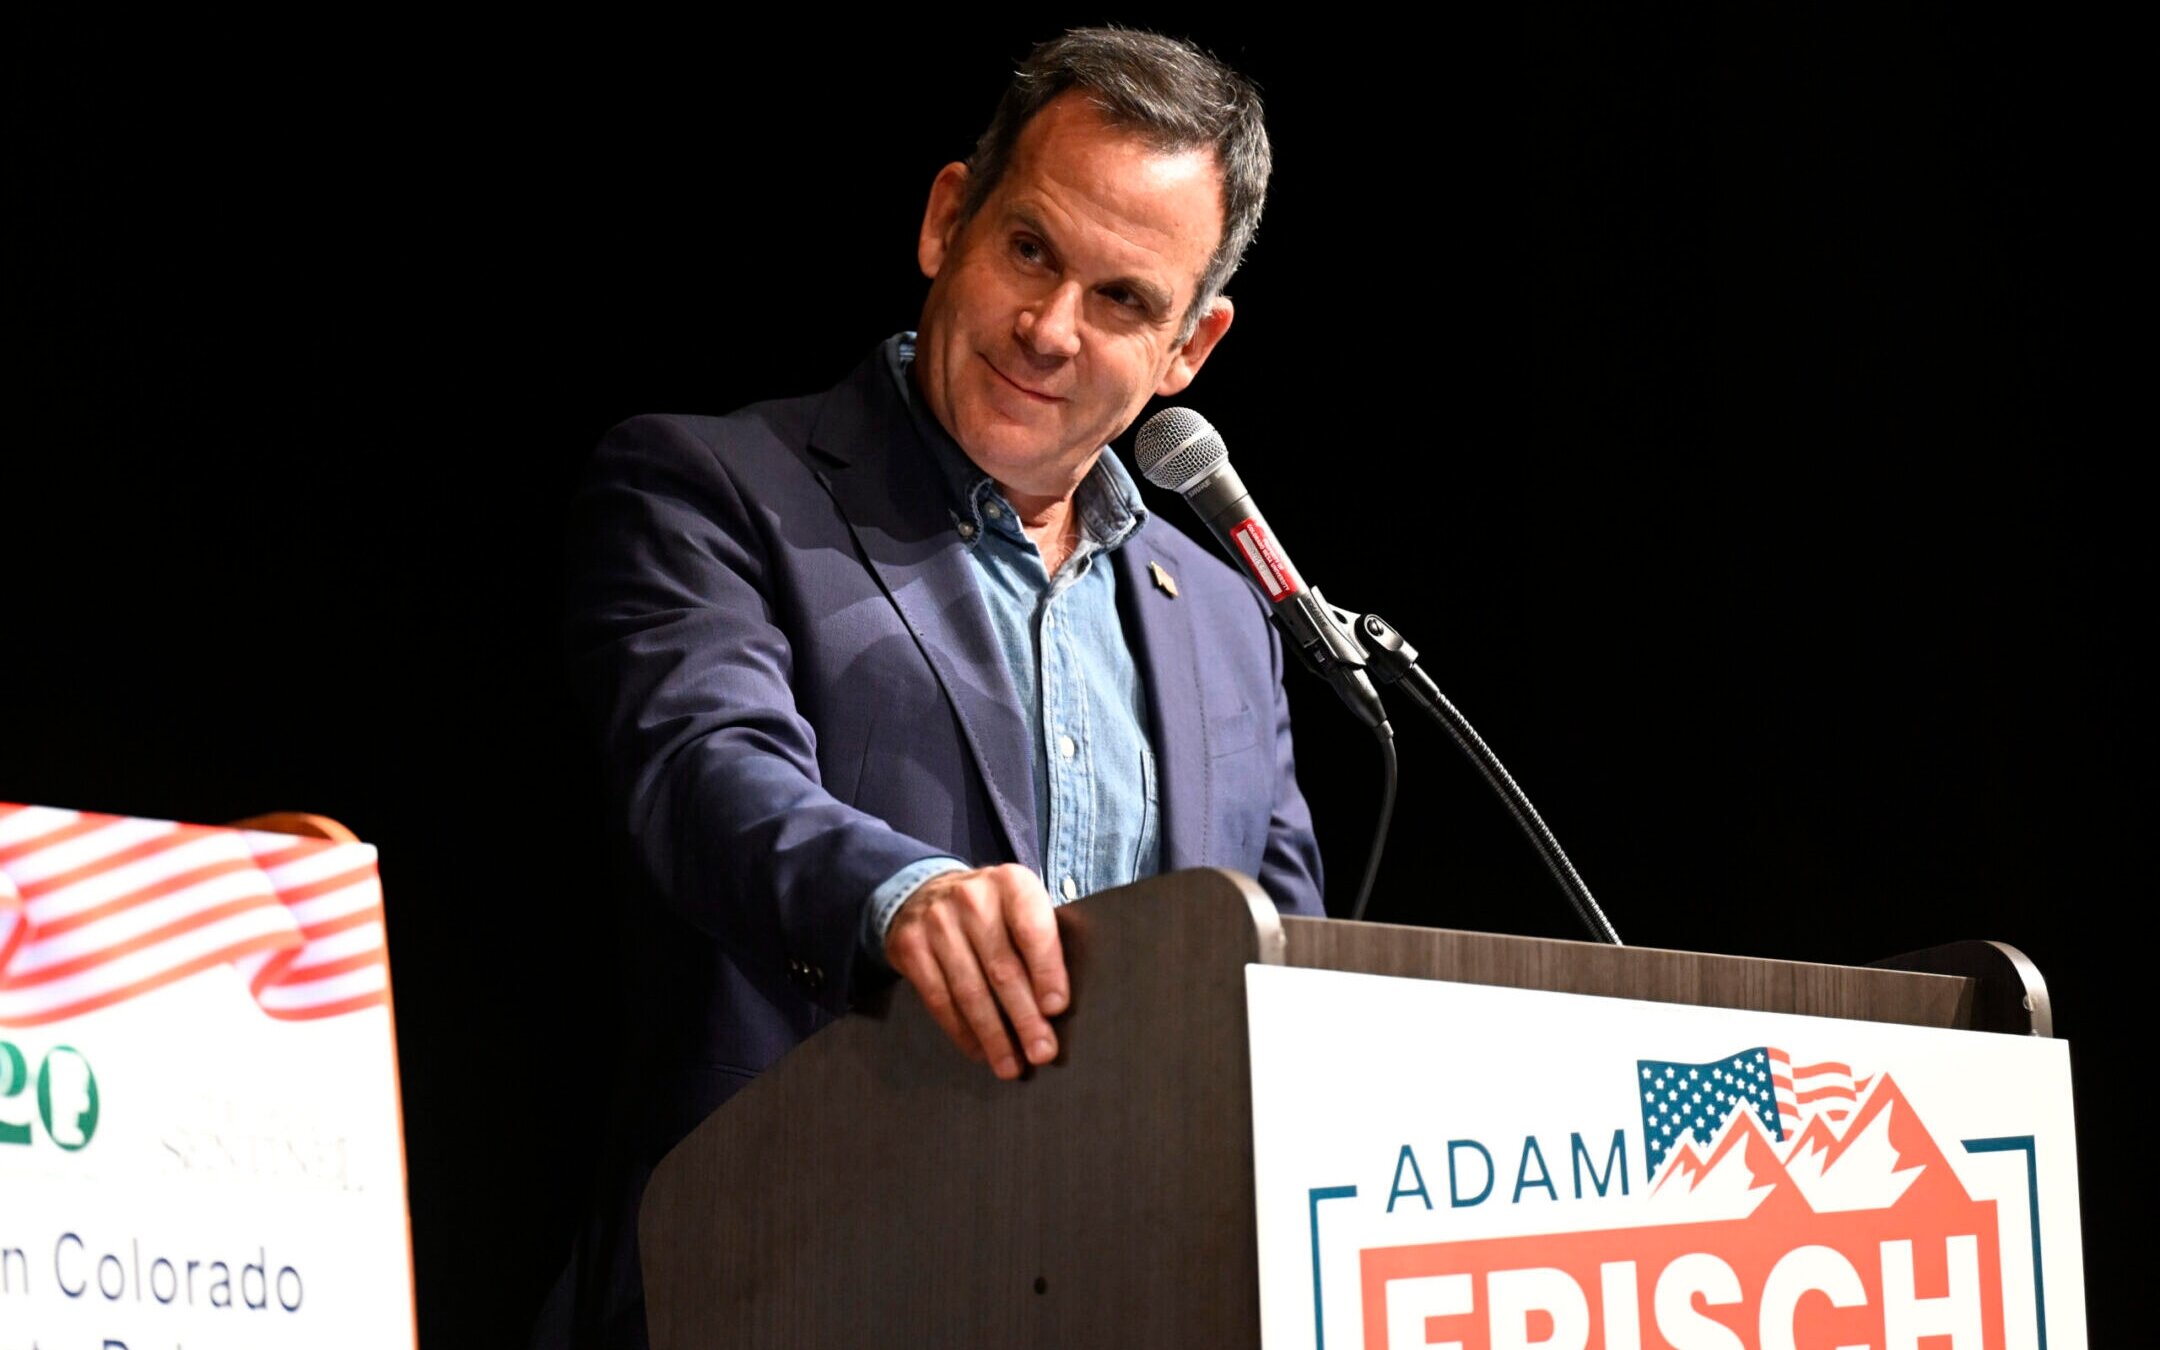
(1741, 1176)
(1882, 1158)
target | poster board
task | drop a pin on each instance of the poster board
(200, 1137)
(1461, 1165)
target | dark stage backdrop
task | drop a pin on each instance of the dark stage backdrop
(1715, 401)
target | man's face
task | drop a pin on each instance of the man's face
(1055, 311)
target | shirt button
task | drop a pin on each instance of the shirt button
(1071, 889)
(967, 530)
(993, 512)
(1067, 746)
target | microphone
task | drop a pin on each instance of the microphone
(1180, 451)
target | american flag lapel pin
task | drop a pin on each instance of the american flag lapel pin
(1164, 582)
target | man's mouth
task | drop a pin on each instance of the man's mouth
(1035, 394)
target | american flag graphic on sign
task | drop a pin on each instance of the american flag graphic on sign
(1682, 1101)
(97, 909)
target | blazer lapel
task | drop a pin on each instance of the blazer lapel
(888, 488)
(1158, 626)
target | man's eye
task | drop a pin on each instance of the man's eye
(1029, 250)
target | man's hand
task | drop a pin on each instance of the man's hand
(975, 942)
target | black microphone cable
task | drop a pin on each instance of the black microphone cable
(1386, 735)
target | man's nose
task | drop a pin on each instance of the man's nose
(1051, 325)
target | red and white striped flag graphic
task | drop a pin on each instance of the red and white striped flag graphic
(1803, 1090)
(97, 909)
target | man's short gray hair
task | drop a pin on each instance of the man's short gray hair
(1169, 92)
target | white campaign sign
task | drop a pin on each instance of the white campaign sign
(244, 1185)
(200, 1142)
(1459, 1165)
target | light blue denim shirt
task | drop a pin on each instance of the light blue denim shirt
(1096, 809)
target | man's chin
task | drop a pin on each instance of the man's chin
(1024, 463)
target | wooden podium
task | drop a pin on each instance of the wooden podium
(876, 1188)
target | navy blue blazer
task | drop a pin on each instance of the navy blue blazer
(799, 693)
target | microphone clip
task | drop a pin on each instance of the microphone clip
(1325, 638)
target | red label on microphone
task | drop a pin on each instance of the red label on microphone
(1268, 567)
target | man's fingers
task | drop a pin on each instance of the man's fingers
(1014, 986)
(913, 959)
(1035, 936)
(981, 948)
(971, 993)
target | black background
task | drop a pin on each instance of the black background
(1719, 401)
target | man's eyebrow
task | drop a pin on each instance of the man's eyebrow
(1151, 296)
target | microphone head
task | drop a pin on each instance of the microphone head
(1177, 448)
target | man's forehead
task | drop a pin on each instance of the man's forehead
(1075, 124)
(1172, 195)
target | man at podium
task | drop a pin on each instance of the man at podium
(883, 674)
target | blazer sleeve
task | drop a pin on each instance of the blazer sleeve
(1290, 867)
(676, 653)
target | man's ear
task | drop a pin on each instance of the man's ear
(941, 218)
(1194, 353)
